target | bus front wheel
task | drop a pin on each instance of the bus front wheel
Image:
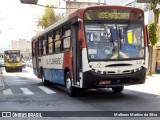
(118, 89)
(70, 89)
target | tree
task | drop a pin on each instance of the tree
(48, 18)
(156, 11)
(152, 28)
(152, 31)
(1, 55)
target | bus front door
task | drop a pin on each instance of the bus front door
(76, 54)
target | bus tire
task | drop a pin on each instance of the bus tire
(118, 89)
(6, 69)
(71, 91)
(44, 82)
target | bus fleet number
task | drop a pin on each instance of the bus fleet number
(53, 61)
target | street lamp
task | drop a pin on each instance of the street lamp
(144, 1)
(29, 1)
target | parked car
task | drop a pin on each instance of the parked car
(23, 64)
(29, 63)
(2, 62)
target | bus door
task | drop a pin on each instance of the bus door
(37, 60)
(76, 52)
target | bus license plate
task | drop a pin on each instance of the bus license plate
(104, 82)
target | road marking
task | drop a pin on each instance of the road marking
(27, 91)
(158, 96)
(7, 92)
(47, 90)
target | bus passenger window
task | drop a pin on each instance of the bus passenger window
(57, 46)
(44, 46)
(66, 39)
(66, 36)
(57, 42)
(40, 47)
(33, 48)
(50, 43)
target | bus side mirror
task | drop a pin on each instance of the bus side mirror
(80, 32)
(80, 22)
(29, 1)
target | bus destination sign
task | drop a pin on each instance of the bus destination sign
(112, 14)
(12, 51)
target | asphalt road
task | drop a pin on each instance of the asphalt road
(24, 92)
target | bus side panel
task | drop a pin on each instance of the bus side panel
(52, 66)
(54, 75)
(67, 61)
(146, 57)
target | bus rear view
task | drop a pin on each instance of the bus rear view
(13, 60)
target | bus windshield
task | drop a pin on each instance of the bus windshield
(114, 41)
(12, 58)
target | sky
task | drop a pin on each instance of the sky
(116, 2)
(18, 21)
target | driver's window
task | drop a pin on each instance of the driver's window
(106, 34)
(95, 36)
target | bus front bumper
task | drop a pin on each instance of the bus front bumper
(13, 67)
(95, 80)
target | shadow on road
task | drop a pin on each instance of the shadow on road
(104, 94)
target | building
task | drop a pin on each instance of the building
(24, 46)
(71, 6)
(58, 5)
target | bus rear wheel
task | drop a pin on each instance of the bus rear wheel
(72, 91)
(44, 82)
(118, 89)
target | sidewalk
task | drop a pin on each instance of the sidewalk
(2, 86)
(151, 85)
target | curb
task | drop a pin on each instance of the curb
(2, 85)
